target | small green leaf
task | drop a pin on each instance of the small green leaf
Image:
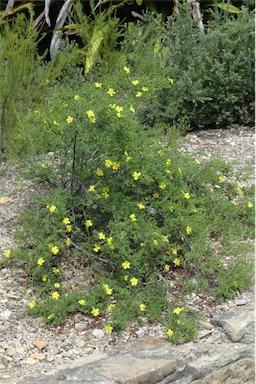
(139, 2)
(228, 7)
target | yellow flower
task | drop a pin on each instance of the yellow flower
(52, 208)
(250, 204)
(105, 192)
(166, 267)
(169, 333)
(69, 119)
(115, 166)
(170, 80)
(111, 307)
(132, 109)
(186, 195)
(43, 165)
(126, 69)
(44, 278)
(142, 307)
(168, 162)
(126, 277)
(88, 223)
(55, 270)
(108, 163)
(176, 262)
(82, 302)
(240, 192)
(197, 161)
(162, 185)
(57, 285)
(188, 229)
(221, 179)
(110, 241)
(66, 220)
(99, 172)
(68, 242)
(76, 97)
(108, 328)
(135, 82)
(136, 175)
(90, 113)
(40, 261)
(177, 310)
(51, 316)
(134, 281)
(32, 304)
(101, 236)
(92, 188)
(55, 250)
(141, 206)
(55, 295)
(96, 248)
(133, 217)
(107, 289)
(95, 311)
(69, 228)
(98, 85)
(194, 210)
(126, 265)
(144, 89)
(165, 239)
(111, 92)
(138, 94)
(7, 253)
(174, 251)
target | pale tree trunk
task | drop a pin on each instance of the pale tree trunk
(196, 13)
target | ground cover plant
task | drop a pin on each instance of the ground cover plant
(151, 225)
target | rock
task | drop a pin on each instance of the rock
(240, 302)
(98, 333)
(206, 325)
(5, 315)
(235, 322)
(38, 356)
(128, 369)
(40, 344)
(80, 326)
(11, 352)
(81, 343)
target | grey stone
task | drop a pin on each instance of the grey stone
(234, 322)
(98, 333)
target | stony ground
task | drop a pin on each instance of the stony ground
(27, 347)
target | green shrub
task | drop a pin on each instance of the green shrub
(213, 72)
(126, 204)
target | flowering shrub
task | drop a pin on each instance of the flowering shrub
(129, 205)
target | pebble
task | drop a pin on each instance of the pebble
(98, 333)
(5, 315)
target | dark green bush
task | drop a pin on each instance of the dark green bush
(213, 72)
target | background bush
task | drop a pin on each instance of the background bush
(213, 72)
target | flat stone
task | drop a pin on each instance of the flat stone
(40, 344)
(234, 322)
(128, 369)
(98, 333)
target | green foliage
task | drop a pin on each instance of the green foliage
(213, 72)
(150, 224)
(126, 204)
(19, 84)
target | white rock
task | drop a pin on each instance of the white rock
(5, 315)
(98, 333)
